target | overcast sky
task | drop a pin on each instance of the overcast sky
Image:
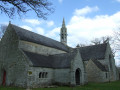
(85, 20)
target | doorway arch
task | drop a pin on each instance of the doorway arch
(77, 76)
(4, 78)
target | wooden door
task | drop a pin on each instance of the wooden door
(4, 78)
(77, 77)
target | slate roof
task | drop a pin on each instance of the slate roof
(39, 39)
(94, 52)
(63, 60)
(100, 66)
(52, 61)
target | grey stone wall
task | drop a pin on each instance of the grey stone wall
(37, 48)
(112, 67)
(61, 76)
(33, 79)
(75, 64)
(85, 62)
(64, 76)
(112, 71)
(94, 74)
(12, 60)
(117, 73)
(54, 77)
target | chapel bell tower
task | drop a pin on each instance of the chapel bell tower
(63, 33)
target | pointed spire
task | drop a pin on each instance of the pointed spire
(63, 24)
(9, 22)
(78, 46)
(63, 33)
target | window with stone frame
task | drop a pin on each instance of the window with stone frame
(110, 61)
(40, 75)
(106, 75)
(29, 72)
(46, 74)
(43, 75)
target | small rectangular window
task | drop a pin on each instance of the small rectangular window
(106, 75)
(29, 73)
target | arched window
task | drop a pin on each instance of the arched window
(46, 74)
(43, 73)
(40, 75)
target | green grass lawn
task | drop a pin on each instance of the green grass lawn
(90, 86)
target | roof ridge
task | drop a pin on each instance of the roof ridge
(94, 45)
(99, 65)
(35, 33)
(38, 38)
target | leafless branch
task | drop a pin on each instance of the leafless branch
(41, 7)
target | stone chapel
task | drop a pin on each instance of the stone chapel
(28, 59)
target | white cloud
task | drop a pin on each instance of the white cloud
(39, 30)
(50, 23)
(35, 22)
(27, 27)
(60, 1)
(85, 10)
(118, 0)
(32, 21)
(117, 60)
(54, 34)
(82, 29)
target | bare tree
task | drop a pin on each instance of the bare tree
(106, 39)
(117, 39)
(82, 44)
(96, 41)
(12, 7)
(101, 40)
(2, 30)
